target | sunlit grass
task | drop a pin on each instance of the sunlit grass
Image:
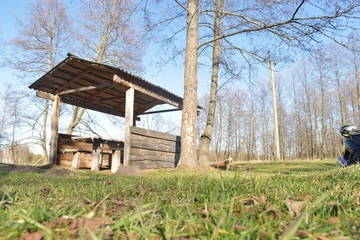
(238, 204)
(286, 166)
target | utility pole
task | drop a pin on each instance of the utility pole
(276, 130)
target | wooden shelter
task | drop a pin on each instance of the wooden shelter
(110, 90)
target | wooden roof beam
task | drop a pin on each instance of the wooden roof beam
(78, 76)
(94, 96)
(45, 95)
(161, 111)
(85, 88)
(163, 99)
(106, 99)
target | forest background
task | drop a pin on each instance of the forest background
(317, 83)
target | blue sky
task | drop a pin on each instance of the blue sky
(170, 77)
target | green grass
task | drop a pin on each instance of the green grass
(243, 203)
(286, 166)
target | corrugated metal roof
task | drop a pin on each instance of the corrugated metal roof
(89, 84)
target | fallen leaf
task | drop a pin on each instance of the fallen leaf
(304, 234)
(76, 226)
(240, 227)
(33, 236)
(252, 200)
(295, 207)
(264, 234)
(323, 238)
(302, 197)
(333, 204)
(93, 223)
(333, 220)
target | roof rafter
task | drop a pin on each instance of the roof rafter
(121, 81)
(85, 88)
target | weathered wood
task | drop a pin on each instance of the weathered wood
(160, 158)
(115, 161)
(154, 146)
(85, 88)
(129, 121)
(151, 164)
(159, 97)
(151, 153)
(45, 95)
(154, 141)
(161, 111)
(76, 160)
(95, 157)
(154, 134)
(54, 130)
(78, 76)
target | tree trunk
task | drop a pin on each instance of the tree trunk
(206, 136)
(189, 112)
(75, 120)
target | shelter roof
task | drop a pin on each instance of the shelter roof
(101, 87)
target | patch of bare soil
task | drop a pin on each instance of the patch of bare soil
(61, 172)
(128, 171)
(21, 168)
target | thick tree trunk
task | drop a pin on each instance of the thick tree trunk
(206, 136)
(189, 113)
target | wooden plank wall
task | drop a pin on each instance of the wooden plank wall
(152, 149)
(68, 147)
(65, 156)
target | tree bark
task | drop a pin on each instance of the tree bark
(75, 120)
(188, 128)
(206, 136)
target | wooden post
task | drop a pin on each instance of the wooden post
(129, 117)
(95, 156)
(115, 160)
(76, 160)
(54, 130)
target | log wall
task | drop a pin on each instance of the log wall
(68, 147)
(65, 155)
(152, 149)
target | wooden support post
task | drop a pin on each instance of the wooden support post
(76, 160)
(54, 130)
(129, 117)
(115, 160)
(95, 156)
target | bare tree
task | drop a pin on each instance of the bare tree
(188, 127)
(294, 25)
(42, 36)
(108, 34)
(208, 132)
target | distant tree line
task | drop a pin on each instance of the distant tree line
(316, 96)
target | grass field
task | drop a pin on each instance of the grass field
(277, 200)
